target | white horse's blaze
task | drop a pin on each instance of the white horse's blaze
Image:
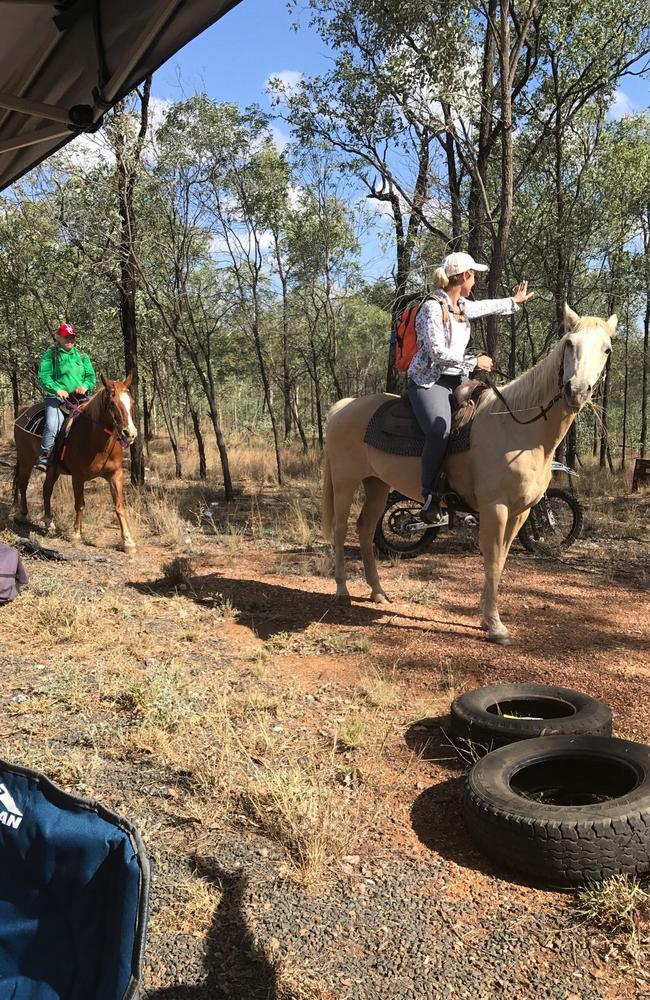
(127, 402)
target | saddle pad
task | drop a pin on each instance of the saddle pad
(32, 419)
(393, 429)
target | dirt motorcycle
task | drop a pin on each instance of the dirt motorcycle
(552, 525)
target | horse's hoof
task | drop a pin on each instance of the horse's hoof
(343, 600)
(500, 638)
(77, 540)
(50, 529)
(380, 597)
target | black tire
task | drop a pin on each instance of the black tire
(504, 713)
(563, 810)
(388, 539)
(553, 524)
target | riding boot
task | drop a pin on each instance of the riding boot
(43, 461)
(430, 511)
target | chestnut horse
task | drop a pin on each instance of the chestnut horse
(93, 448)
(505, 472)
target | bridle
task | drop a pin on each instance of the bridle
(111, 408)
(543, 410)
(80, 410)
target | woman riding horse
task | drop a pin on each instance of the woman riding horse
(505, 472)
(441, 364)
(94, 446)
(63, 371)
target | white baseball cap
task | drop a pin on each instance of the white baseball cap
(456, 263)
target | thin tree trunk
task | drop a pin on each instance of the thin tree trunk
(127, 162)
(507, 176)
(605, 408)
(167, 417)
(15, 391)
(625, 386)
(646, 336)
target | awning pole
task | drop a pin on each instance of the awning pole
(34, 108)
(139, 47)
(31, 139)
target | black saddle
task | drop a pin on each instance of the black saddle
(393, 428)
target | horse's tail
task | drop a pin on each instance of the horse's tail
(328, 499)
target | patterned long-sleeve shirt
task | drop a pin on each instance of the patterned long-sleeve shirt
(442, 346)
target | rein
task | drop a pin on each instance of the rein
(80, 410)
(543, 410)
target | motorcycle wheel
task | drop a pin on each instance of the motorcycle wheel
(391, 540)
(553, 524)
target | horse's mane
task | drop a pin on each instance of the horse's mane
(534, 387)
(94, 407)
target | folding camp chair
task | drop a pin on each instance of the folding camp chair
(74, 891)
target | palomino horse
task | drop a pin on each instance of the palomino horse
(505, 472)
(93, 448)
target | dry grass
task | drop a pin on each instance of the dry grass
(67, 613)
(155, 511)
(300, 810)
(380, 693)
(350, 734)
(620, 907)
(192, 911)
(179, 572)
(319, 639)
(424, 593)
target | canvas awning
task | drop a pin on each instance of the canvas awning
(62, 65)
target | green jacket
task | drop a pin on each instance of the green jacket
(59, 369)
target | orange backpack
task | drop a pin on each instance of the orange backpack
(406, 341)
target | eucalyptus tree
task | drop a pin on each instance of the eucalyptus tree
(191, 293)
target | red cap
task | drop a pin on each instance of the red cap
(66, 330)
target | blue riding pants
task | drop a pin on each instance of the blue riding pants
(432, 408)
(53, 422)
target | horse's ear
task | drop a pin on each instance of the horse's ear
(571, 318)
(611, 324)
(128, 380)
(104, 381)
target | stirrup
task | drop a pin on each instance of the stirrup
(431, 512)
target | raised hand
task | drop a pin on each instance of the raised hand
(521, 293)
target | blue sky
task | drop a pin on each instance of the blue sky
(233, 58)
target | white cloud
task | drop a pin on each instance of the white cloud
(621, 105)
(86, 151)
(381, 207)
(289, 79)
(280, 138)
(240, 243)
(158, 110)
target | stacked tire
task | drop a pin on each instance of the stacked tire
(555, 797)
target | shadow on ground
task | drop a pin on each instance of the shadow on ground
(235, 967)
(269, 608)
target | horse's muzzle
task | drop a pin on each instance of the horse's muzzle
(575, 397)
